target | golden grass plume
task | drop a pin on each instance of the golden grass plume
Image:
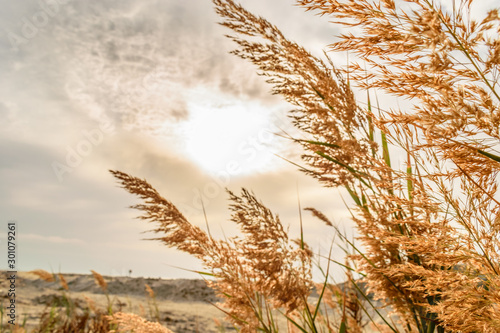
(44, 275)
(99, 280)
(129, 322)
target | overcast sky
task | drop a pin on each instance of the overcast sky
(149, 88)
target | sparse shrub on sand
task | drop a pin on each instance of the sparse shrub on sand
(65, 314)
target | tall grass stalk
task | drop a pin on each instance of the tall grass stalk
(428, 232)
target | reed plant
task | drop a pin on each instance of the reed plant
(428, 231)
(154, 311)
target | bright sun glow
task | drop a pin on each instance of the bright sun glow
(232, 137)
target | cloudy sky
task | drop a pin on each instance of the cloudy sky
(149, 88)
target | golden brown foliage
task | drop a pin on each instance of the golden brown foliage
(129, 322)
(99, 280)
(63, 282)
(430, 232)
(44, 275)
(149, 291)
(444, 258)
(64, 314)
(263, 269)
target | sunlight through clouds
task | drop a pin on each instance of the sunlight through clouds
(181, 111)
(235, 136)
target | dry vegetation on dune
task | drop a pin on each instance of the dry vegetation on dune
(94, 303)
(429, 231)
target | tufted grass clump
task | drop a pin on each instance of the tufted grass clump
(429, 230)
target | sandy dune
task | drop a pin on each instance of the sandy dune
(184, 305)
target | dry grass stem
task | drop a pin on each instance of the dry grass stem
(63, 282)
(99, 280)
(44, 275)
(429, 231)
(149, 291)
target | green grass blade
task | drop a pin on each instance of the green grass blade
(371, 134)
(319, 143)
(354, 196)
(409, 173)
(385, 145)
(343, 327)
(409, 183)
(431, 327)
(331, 159)
(373, 306)
(385, 150)
(302, 247)
(354, 172)
(309, 318)
(295, 323)
(489, 155)
(324, 284)
(227, 313)
(344, 266)
(371, 129)
(193, 271)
